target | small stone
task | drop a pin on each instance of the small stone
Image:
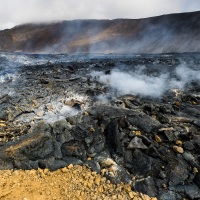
(166, 129)
(194, 103)
(162, 175)
(179, 142)
(137, 143)
(64, 170)
(108, 181)
(92, 129)
(178, 149)
(46, 171)
(100, 189)
(94, 197)
(114, 196)
(195, 170)
(35, 103)
(132, 134)
(40, 170)
(128, 188)
(111, 174)
(85, 113)
(70, 166)
(94, 173)
(32, 172)
(154, 116)
(2, 125)
(187, 129)
(178, 103)
(164, 185)
(39, 113)
(107, 162)
(89, 158)
(131, 194)
(97, 181)
(137, 132)
(90, 184)
(50, 107)
(143, 196)
(16, 173)
(158, 139)
(119, 196)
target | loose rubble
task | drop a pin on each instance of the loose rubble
(69, 183)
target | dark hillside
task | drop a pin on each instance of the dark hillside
(162, 34)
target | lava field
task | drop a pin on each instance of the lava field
(133, 118)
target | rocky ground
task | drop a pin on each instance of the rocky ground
(54, 115)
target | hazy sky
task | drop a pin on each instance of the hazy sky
(14, 12)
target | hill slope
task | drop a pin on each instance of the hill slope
(162, 34)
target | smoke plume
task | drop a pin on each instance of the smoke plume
(141, 83)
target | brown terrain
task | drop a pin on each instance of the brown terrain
(74, 182)
(167, 33)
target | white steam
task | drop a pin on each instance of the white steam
(186, 74)
(8, 77)
(57, 109)
(140, 83)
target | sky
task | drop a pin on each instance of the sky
(15, 12)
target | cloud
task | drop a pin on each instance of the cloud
(14, 12)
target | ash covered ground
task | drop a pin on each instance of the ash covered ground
(135, 119)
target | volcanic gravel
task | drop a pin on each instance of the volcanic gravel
(73, 182)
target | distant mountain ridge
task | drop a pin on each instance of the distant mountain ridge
(161, 34)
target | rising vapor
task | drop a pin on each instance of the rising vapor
(143, 84)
